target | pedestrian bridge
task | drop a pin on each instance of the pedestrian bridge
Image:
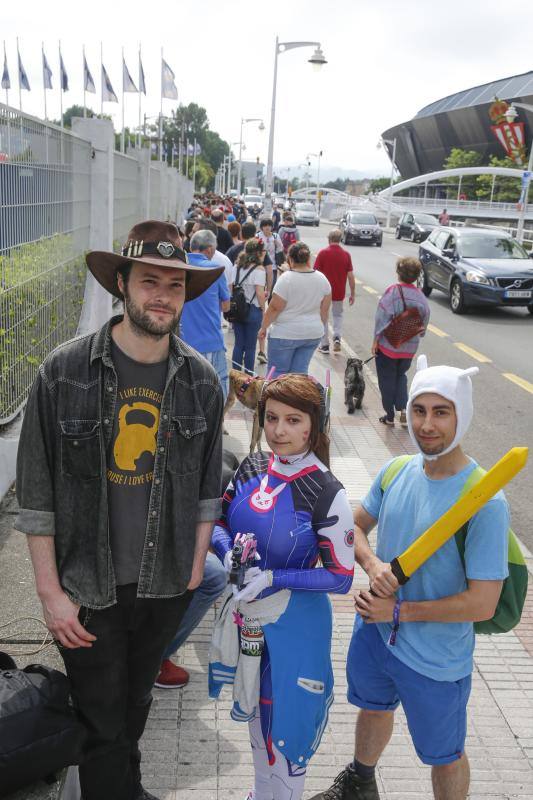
(335, 203)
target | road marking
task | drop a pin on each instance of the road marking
(396, 254)
(358, 281)
(519, 381)
(370, 290)
(437, 331)
(473, 353)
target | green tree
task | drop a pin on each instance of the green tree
(458, 159)
(378, 184)
(73, 111)
(506, 190)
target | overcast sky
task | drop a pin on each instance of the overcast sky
(386, 60)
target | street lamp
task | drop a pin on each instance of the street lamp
(317, 60)
(261, 127)
(317, 156)
(393, 166)
(510, 115)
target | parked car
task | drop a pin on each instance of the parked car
(359, 226)
(476, 266)
(416, 227)
(306, 214)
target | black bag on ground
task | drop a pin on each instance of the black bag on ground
(39, 732)
(239, 307)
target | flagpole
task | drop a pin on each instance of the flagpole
(161, 114)
(101, 80)
(84, 85)
(7, 90)
(122, 138)
(140, 92)
(44, 85)
(18, 67)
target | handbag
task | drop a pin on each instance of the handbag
(39, 731)
(405, 325)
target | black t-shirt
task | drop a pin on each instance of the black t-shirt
(130, 460)
(234, 252)
(224, 240)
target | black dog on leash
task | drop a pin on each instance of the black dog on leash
(354, 384)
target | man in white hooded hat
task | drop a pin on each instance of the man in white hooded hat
(414, 644)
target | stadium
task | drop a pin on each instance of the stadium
(460, 120)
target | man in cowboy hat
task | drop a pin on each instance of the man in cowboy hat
(118, 485)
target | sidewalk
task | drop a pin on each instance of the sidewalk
(192, 750)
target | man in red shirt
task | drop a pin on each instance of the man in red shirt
(336, 264)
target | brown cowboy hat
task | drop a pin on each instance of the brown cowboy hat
(156, 243)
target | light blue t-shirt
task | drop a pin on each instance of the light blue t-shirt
(411, 503)
(200, 324)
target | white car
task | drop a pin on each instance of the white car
(306, 214)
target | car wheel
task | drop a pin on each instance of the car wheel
(530, 309)
(397, 234)
(423, 283)
(379, 242)
(457, 298)
(413, 236)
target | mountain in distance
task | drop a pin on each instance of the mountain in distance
(329, 173)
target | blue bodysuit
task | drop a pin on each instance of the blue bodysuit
(300, 515)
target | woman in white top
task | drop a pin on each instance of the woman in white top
(296, 314)
(248, 272)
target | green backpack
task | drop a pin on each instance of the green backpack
(514, 589)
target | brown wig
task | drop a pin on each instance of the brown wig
(301, 392)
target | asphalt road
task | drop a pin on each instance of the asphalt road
(498, 341)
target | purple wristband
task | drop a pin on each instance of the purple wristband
(395, 622)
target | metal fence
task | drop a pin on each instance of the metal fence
(47, 224)
(44, 233)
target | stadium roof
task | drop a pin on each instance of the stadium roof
(514, 87)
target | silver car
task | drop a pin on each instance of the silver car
(306, 214)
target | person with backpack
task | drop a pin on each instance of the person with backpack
(414, 644)
(247, 304)
(288, 232)
(273, 246)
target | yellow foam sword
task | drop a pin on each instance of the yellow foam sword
(464, 509)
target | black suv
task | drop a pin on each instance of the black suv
(476, 266)
(360, 226)
(416, 227)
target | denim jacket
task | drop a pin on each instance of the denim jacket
(61, 469)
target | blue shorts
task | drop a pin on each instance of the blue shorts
(435, 710)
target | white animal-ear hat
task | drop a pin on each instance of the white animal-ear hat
(450, 382)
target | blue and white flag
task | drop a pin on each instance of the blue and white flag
(108, 93)
(127, 80)
(142, 85)
(88, 82)
(6, 83)
(63, 74)
(168, 87)
(23, 78)
(47, 73)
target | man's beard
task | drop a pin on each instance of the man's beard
(143, 325)
(431, 451)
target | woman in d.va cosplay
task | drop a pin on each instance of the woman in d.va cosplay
(272, 640)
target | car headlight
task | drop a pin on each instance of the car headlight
(477, 277)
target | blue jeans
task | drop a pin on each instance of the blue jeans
(218, 359)
(290, 355)
(246, 340)
(213, 584)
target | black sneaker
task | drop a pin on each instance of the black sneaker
(144, 795)
(349, 786)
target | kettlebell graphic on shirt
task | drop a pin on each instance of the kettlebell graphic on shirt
(134, 439)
